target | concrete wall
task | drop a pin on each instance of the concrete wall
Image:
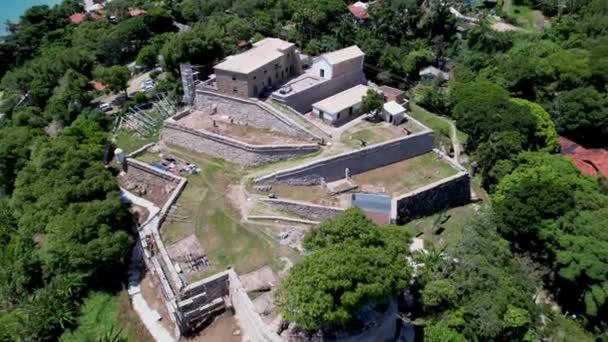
(310, 211)
(365, 159)
(302, 100)
(348, 66)
(446, 193)
(250, 112)
(231, 150)
(341, 117)
(321, 64)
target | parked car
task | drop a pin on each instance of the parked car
(105, 107)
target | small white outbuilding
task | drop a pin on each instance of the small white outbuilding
(393, 112)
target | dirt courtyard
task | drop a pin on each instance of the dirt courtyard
(225, 125)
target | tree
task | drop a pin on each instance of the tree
(545, 136)
(203, 45)
(581, 256)
(352, 263)
(482, 292)
(329, 286)
(115, 77)
(147, 57)
(372, 103)
(16, 144)
(69, 98)
(582, 114)
(442, 333)
(483, 108)
(494, 156)
(542, 187)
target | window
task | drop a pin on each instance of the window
(265, 71)
(350, 111)
(234, 78)
(338, 116)
(254, 77)
(322, 73)
(234, 90)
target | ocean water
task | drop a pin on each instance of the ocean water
(12, 9)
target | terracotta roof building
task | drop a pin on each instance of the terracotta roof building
(592, 161)
(359, 10)
(77, 18)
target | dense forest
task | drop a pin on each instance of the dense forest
(541, 244)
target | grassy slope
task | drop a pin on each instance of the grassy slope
(215, 222)
(129, 142)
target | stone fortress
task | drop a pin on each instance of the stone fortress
(295, 163)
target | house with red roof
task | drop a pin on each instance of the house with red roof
(359, 10)
(78, 18)
(590, 161)
(98, 85)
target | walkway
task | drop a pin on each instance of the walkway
(148, 316)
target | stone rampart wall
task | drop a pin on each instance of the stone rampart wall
(249, 320)
(232, 150)
(365, 159)
(446, 193)
(310, 211)
(251, 112)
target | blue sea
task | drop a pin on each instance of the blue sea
(12, 9)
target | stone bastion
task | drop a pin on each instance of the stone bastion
(245, 116)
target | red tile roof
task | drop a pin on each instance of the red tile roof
(390, 93)
(358, 12)
(98, 85)
(77, 18)
(589, 161)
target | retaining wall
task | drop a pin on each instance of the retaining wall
(232, 150)
(449, 192)
(251, 112)
(333, 168)
(310, 211)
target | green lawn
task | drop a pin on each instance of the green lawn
(217, 224)
(104, 314)
(129, 141)
(459, 218)
(437, 124)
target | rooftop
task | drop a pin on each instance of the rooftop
(263, 52)
(343, 100)
(393, 108)
(77, 18)
(390, 93)
(359, 10)
(588, 161)
(339, 56)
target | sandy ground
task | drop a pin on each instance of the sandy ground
(223, 125)
(223, 329)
